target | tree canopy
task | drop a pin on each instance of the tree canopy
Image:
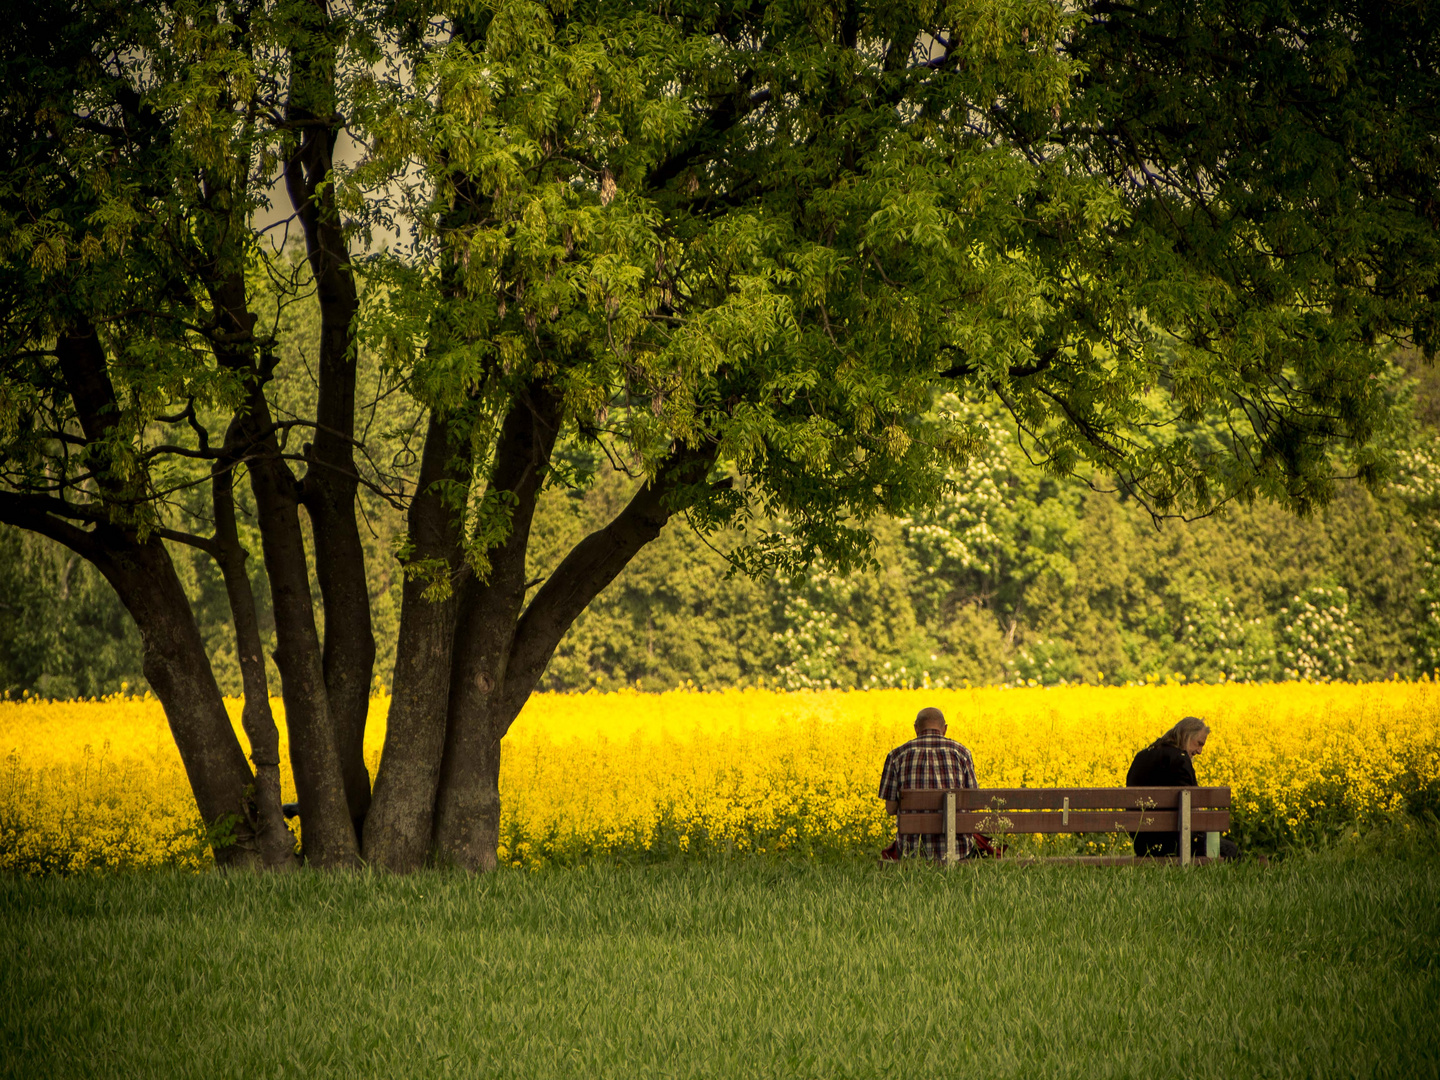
(741, 251)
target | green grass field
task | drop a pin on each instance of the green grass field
(1320, 966)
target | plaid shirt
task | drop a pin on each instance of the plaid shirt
(930, 762)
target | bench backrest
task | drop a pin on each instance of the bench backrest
(1065, 810)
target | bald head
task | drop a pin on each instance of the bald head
(929, 720)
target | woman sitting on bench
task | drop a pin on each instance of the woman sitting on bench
(1169, 762)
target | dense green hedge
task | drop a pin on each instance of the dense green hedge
(1017, 576)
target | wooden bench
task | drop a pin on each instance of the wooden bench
(1022, 811)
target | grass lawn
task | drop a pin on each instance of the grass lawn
(1320, 966)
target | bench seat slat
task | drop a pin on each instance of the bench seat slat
(1006, 800)
(1104, 860)
(1083, 821)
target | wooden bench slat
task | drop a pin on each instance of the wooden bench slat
(1201, 798)
(1099, 860)
(1082, 821)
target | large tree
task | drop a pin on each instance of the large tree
(734, 249)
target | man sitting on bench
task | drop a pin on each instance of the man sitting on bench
(932, 762)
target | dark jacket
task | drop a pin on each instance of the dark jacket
(1163, 766)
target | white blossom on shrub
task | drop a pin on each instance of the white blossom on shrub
(1418, 485)
(1317, 638)
(809, 645)
(1216, 644)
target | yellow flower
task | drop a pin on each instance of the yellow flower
(747, 770)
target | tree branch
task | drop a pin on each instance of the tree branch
(591, 565)
(24, 512)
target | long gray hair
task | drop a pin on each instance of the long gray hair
(1184, 733)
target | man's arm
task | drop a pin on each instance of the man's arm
(890, 785)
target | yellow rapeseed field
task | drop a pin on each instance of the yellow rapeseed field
(99, 784)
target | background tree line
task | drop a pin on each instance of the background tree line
(1014, 577)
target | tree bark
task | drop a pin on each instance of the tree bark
(328, 834)
(489, 610)
(491, 693)
(398, 830)
(178, 670)
(173, 654)
(273, 839)
(331, 481)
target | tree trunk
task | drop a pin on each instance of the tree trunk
(178, 670)
(273, 839)
(468, 814)
(489, 609)
(468, 833)
(348, 659)
(328, 834)
(173, 654)
(398, 830)
(331, 482)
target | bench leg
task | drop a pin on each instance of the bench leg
(951, 855)
(1212, 845)
(1185, 828)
